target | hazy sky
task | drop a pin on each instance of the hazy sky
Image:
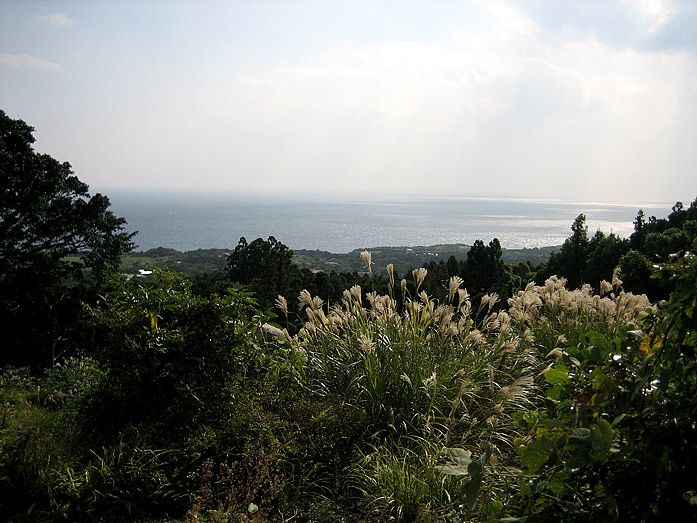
(581, 100)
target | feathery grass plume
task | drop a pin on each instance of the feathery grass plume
(357, 293)
(504, 322)
(605, 287)
(430, 381)
(616, 282)
(282, 304)
(457, 375)
(475, 336)
(555, 352)
(419, 276)
(346, 296)
(451, 330)
(367, 259)
(520, 387)
(488, 300)
(462, 297)
(384, 307)
(528, 336)
(443, 314)
(304, 299)
(508, 347)
(403, 284)
(414, 308)
(423, 295)
(317, 302)
(366, 343)
(453, 286)
(490, 322)
(390, 272)
(372, 297)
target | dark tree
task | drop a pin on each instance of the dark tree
(484, 272)
(267, 268)
(46, 213)
(571, 261)
(46, 216)
(639, 234)
(604, 254)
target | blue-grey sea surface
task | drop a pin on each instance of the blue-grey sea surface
(188, 222)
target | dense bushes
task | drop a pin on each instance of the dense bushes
(556, 404)
(170, 356)
(615, 438)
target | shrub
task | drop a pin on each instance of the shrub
(171, 357)
(615, 438)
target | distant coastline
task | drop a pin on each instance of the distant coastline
(190, 223)
(201, 261)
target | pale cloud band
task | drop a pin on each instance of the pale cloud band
(25, 61)
(530, 98)
(56, 19)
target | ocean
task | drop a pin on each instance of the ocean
(197, 221)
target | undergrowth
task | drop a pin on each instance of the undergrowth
(392, 406)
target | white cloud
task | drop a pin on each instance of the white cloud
(511, 107)
(659, 12)
(56, 19)
(25, 61)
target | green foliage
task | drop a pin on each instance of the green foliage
(404, 259)
(266, 267)
(571, 404)
(34, 442)
(46, 215)
(615, 439)
(170, 356)
(590, 261)
(419, 482)
(120, 480)
(482, 272)
(46, 212)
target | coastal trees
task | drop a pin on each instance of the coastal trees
(267, 268)
(604, 254)
(51, 232)
(654, 240)
(570, 262)
(46, 213)
(483, 270)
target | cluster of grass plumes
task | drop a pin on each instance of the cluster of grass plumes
(553, 313)
(431, 376)
(417, 366)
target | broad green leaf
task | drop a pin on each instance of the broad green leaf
(557, 485)
(475, 469)
(576, 453)
(457, 461)
(601, 437)
(556, 393)
(580, 433)
(536, 454)
(557, 375)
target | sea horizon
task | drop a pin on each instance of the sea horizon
(200, 220)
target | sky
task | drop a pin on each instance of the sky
(593, 100)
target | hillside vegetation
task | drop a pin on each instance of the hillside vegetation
(561, 404)
(467, 389)
(404, 259)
